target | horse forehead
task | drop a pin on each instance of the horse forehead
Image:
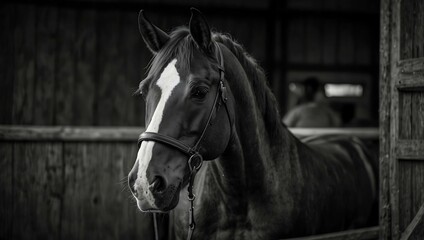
(169, 77)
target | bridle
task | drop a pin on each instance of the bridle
(195, 160)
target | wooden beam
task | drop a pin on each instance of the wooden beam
(368, 133)
(411, 83)
(411, 65)
(64, 133)
(67, 133)
(410, 149)
(419, 218)
(363, 233)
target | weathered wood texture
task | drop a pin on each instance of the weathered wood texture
(384, 120)
(72, 66)
(78, 62)
(69, 183)
(130, 134)
(411, 182)
(412, 27)
(68, 190)
(402, 120)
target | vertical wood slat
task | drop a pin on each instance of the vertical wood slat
(96, 205)
(7, 24)
(394, 119)
(85, 69)
(417, 115)
(23, 90)
(37, 187)
(44, 94)
(6, 190)
(65, 67)
(384, 116)
(405, 116)
(405, 194)
(110, 80)
(62, 190)
(134, 69)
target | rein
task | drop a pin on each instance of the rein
(195, 160)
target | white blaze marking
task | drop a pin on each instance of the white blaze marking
(167, 81)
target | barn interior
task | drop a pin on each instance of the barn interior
(69, 70)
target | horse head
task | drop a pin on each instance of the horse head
(184, 93)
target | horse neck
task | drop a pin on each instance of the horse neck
(258, 160)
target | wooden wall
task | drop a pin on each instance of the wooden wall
(78, 63)
(402, 120)
(69, 183)
(68, 65)
(68, 190)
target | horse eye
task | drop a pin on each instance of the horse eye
(199, 92)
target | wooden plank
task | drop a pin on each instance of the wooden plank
(417, 221)
(417, 115)
(405, 194)
(411, 65)
(85, 70)
(394, 118)
(80, 187)
(369, 133)
(133, 50)
(6, 190)
(63, 133)
(7, 71)
(405, 114)
(101, 209)
(111, 75)
(44, 95)
(65, 68)
(24, 35)
(35, 133)
(407, 28)
(363, 233)
(37, 170)
(414, 83)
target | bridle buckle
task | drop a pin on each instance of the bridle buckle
(195, 162)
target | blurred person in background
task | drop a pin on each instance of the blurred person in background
(313, 111)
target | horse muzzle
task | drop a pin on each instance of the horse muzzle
(157, 197)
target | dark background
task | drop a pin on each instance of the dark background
(78, 62)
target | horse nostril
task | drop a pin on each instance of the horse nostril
(158, 184)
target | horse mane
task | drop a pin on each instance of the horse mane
(265, 99)
(182, 45)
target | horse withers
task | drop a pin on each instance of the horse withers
(214, 140)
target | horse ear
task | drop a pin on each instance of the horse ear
(153, 36)
(199, 30)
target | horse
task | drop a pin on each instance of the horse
(217, 158)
